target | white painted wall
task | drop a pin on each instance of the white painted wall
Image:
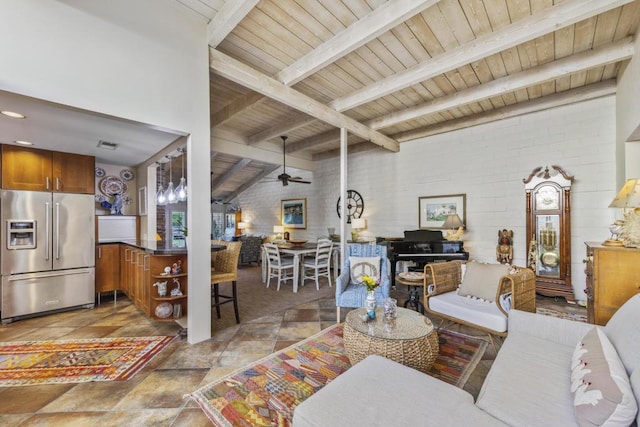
(628, 119)
(143, 60)
(487, 163)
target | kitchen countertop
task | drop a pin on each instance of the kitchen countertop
(154, 247)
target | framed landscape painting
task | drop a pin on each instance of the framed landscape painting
(294, 213)
(433, 210)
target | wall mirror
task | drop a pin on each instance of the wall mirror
(548, 210)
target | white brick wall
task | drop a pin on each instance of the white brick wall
(487, 163)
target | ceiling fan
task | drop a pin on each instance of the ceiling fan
(284, 176)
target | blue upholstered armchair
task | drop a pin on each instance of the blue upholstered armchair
(349, 294)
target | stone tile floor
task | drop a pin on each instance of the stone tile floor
(154, 397)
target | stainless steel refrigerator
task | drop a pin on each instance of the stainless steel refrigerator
(48, 252)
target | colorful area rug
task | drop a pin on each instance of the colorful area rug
(578, 317)
(266, 392)
(76, 361)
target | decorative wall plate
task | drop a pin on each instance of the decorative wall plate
(111, 185)
(100, 172)
(126, 174)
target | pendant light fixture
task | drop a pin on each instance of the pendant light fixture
(181, 190)
(170, 194)
(160, 199)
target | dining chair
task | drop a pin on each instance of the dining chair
(320, 265)
(277, 266)
(224, 268)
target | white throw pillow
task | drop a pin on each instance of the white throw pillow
(600, 386)
(482, 280)
(364, 266)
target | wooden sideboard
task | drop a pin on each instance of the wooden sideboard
(613, 276)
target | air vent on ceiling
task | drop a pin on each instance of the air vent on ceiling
(107, 145)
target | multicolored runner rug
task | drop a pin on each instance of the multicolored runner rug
(76, 361)
(578, 317)
(266, 392)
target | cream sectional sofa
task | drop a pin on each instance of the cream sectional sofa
(529, 383)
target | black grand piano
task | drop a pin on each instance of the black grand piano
(422, 247)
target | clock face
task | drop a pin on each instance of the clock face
(355, 205)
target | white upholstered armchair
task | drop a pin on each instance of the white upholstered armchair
(350, 293)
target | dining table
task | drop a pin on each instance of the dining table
(298, 251)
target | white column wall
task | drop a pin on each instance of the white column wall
(143, 60)
(487, 163)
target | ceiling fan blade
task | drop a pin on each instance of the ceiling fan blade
(299, 180)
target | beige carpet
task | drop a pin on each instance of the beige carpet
(256, 300)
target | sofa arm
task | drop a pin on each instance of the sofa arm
(554, 329)
(522, 287)
(442, 277)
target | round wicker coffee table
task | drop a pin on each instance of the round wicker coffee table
(410, 339)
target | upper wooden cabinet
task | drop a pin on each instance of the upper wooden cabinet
(32, 169)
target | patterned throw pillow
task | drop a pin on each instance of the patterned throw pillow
(364, 266)
(599, 384)
(482, 280)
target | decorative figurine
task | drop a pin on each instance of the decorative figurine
(167, 271)
(533, 255)
(162, 288)
(504, 249)
(176, 291)
(176, 267)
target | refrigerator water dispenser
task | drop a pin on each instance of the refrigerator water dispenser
(21, 234)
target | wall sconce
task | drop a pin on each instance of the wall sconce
(452, 223)
(356, 225)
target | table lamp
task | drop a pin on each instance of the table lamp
(357, 224)
(242, 226)
(278, 229)
(452, 223)
(627, 197)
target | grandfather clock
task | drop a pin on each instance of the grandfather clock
(548, 193)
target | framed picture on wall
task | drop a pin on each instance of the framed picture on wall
(433, 210)
(294, 213)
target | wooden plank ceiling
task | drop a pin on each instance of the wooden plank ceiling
(392, 71)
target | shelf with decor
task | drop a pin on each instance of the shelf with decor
(165, 306)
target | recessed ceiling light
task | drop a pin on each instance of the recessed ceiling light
(23, 142)
(13, 114)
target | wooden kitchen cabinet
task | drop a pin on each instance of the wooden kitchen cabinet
(107, 267)
(25, 168)
(613, 276)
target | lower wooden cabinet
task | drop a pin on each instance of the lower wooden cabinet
(139, 271)
(613, 276)
(107, 267)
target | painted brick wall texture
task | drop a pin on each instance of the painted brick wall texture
(486, 162)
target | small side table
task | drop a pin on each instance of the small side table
(410, 339)
(415, 287)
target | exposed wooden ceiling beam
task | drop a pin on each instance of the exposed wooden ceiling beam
(358, 147)
(580, 94)
(281, 129)
(332, 135)
(603, 55)
(241, 104)
(523, 30)
(217, 182)
(232, 69)
(377, 22)
(266, 171)
(227, 18)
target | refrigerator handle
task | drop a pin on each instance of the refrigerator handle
(47, 220)
(57, 236)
